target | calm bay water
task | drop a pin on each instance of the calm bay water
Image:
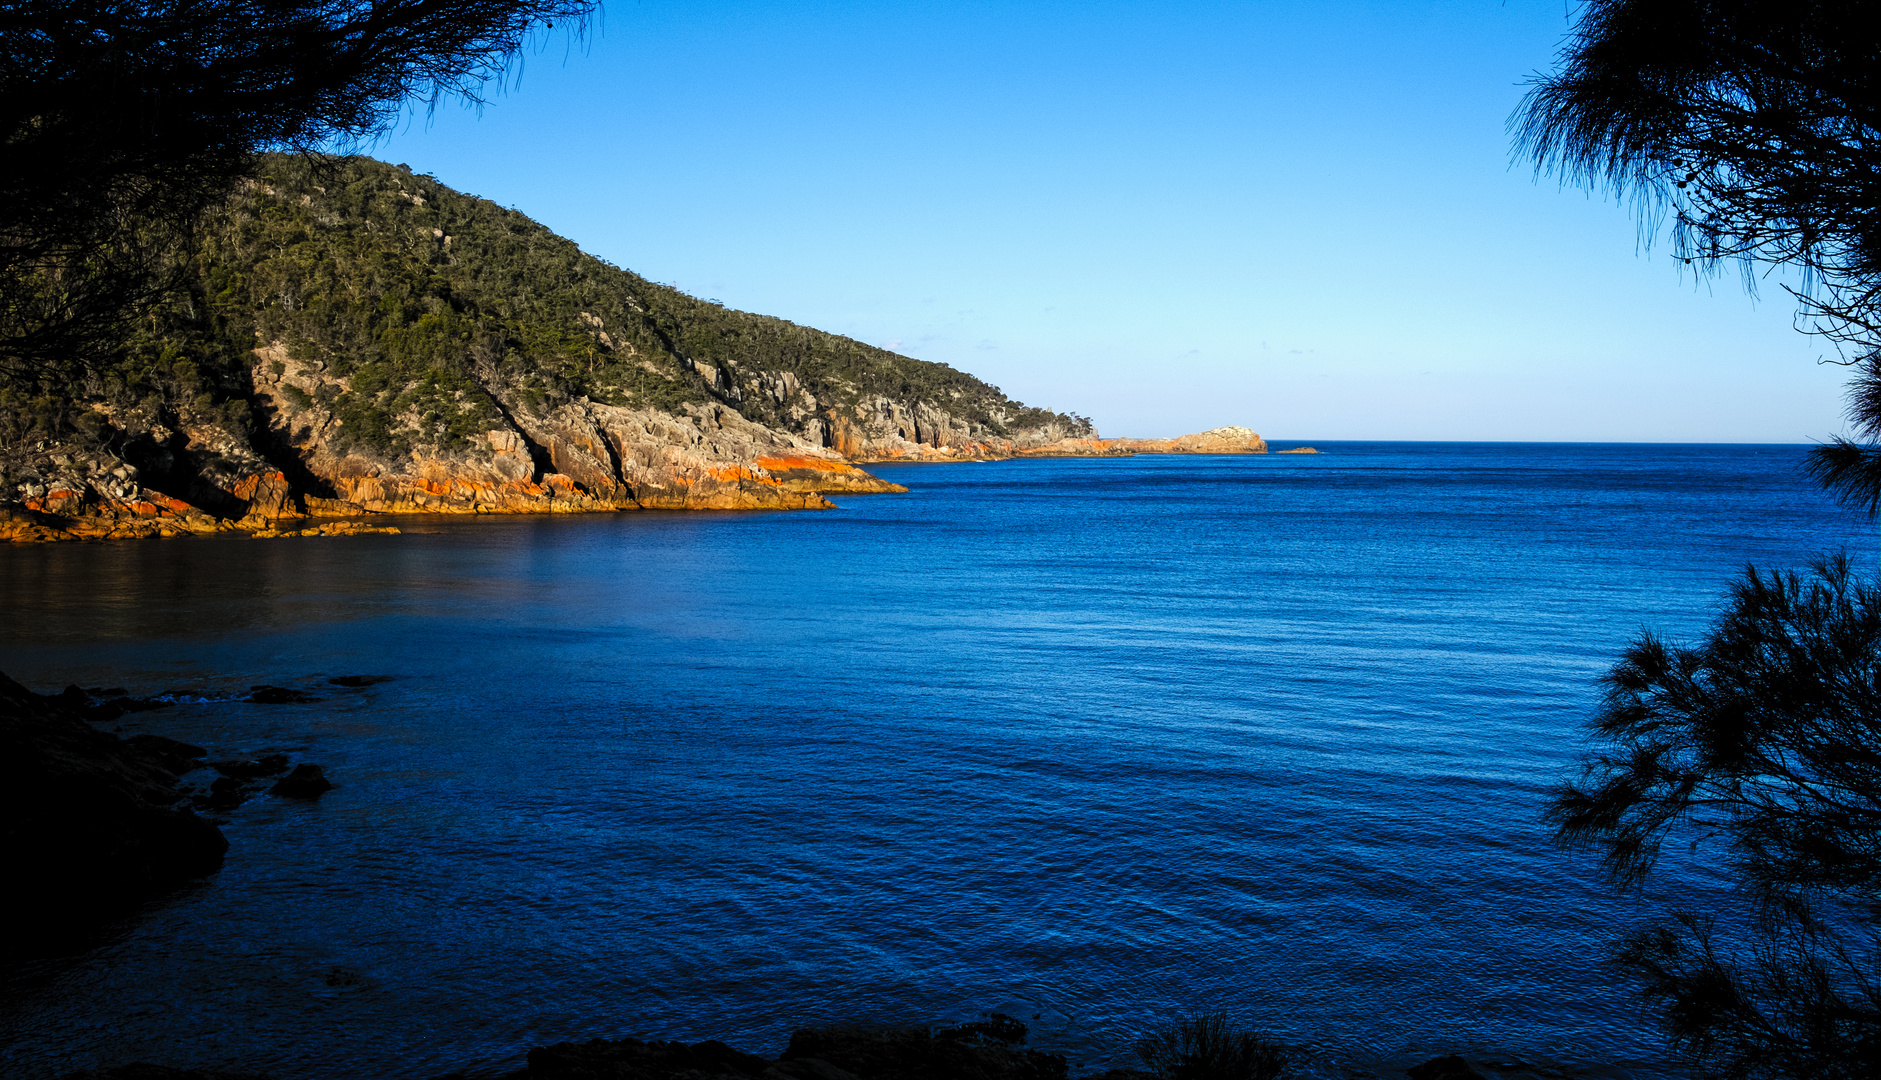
(1092, 742)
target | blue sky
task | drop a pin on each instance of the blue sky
(1304, 218)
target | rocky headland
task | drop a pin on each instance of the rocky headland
(352, 341)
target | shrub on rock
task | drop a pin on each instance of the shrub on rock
(1211, 1047)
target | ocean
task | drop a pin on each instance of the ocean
(1094, 743)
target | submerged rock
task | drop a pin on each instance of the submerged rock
(269, 765)
(278, 695)
(305, 782)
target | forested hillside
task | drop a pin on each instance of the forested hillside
(418, 295)
(341, 316)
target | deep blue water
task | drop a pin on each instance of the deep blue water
(1092, 741)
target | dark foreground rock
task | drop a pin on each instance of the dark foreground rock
(143, 1070)
(989, 1050)
(983, 1051)
(1444, 1068)
(305, 782)
(89, 820)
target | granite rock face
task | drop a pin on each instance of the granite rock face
(92, 823)
(581, 456)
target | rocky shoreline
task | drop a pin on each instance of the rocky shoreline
(92, 820)
(97, 824)
(598, 460)
(989, 1049)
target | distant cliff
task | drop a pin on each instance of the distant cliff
(350, 338)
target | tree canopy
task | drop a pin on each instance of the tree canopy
(1766, 735)
(433, 306)
(1755, 127)
(120, 123)
(1755, 124)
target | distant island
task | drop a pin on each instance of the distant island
(352, 341)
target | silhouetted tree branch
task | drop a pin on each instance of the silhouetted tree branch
(1756, 125)
(1767, 735)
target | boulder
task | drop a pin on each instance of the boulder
(226, 793)
(100, 709)
(305, 782)
(277, 695)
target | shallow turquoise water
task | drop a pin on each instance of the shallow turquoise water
(1090, 741)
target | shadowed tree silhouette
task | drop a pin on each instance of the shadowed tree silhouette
(1212, 1047)
(1768, 736)
(1756, 127)
(120, 123)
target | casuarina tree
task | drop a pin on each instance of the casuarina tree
(1765, 738)
(120, 123)
(1753, 130)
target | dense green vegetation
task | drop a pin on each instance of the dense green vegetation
(433, 307)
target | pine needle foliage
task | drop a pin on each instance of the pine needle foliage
(1767, 735)
(1756, 125)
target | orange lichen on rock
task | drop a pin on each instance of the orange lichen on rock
(65, 514)
(821, 474)
(335, 528)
